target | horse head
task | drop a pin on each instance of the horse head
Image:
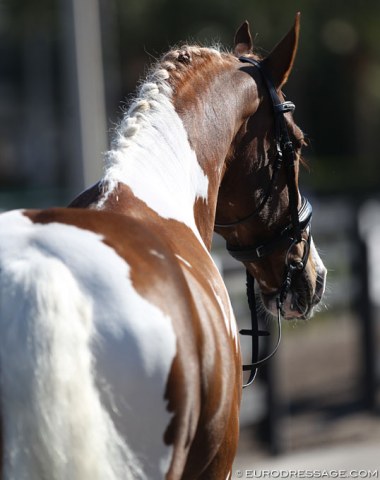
(260, 211)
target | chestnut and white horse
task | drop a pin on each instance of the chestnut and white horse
(119, 350)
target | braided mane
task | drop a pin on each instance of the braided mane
(173, 68)
(151, 117)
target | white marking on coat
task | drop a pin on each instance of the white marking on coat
(151, 154)
(75, 338)
(319, 266)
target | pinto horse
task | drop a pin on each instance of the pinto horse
(120, 356)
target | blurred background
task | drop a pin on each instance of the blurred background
(66, 68)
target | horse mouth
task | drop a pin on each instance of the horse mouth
(294, 307)
(301, 301)
(297, 305)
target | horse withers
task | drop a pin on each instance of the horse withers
(120, 356)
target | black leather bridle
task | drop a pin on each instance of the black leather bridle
(288, 237)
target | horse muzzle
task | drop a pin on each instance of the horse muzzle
(305, 294)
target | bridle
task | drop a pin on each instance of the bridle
(288, 237)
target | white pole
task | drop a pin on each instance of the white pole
(86, 124)
(92, 111)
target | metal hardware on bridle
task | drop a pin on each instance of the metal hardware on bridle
(288, 237)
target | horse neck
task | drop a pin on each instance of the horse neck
(171, 146)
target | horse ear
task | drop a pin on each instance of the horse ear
(243, 40)
(280, 61)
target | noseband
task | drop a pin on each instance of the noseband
(288, 237)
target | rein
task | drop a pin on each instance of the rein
(288, 237)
